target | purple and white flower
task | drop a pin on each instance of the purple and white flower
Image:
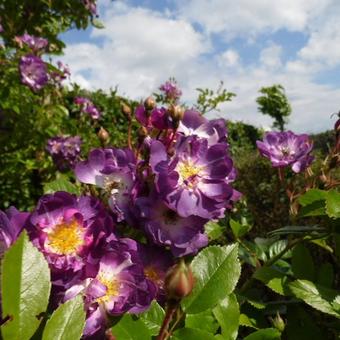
(12, 222)
(194, 124)
(65, 151)
(113, 170)
(65, 229)
(287, 149)
(88, 107)
(117, 286)
(34, 43)
(171, 90)
(164, 227)
(33, 72)
(195, 180)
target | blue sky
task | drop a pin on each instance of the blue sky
(246, 43)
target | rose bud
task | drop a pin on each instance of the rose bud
(150, 103)
(126, 109)
(278, 323)
(176, 112)
(179, 281)
(103, 135)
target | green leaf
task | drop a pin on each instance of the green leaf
(204, 321)
(192, 334)
(238, 229)
(97, 24)
(67, 322)
(60, 184)
(316, 208)
(227, 313)
(315, 295)
(277, 247)
(129, 329)
(302, 263)
(246, 321)
(264, 334)
(312, 196)
(213, 230)
(153, 318)
(333, 204)
(25, 289)
(272, 278)
(216, 271)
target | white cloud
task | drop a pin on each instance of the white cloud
(251, 17)
(140, 48)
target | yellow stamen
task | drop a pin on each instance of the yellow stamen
(187, 170)
(112, 287)
(151, 274)
(66, 238)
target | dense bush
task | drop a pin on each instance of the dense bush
(146, 220)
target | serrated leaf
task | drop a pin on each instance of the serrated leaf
(25, 289)
(302, 263)
(314, 295)
(277, 247)
(204, 321)
(316, 208)
(238, 229)
(227, 313)
(333, 204)
(60, 184)
(67, 322)
(213, 230)
(272, 278)
(153, 318)
(311, 196)
(264, 334)
(192, 334)
(216, 271)
(129, 329)
(247, 322)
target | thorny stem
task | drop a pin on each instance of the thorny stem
(170, 311)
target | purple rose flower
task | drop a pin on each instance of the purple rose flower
(91, 6)
(156, 263)
(65, 151)
(287, 149)
(62, 74)
(194, 124)
(114, 171)
(118, 286)
(171, 90)
(65, 228)
(158, 118)
(33, 72)
(88, 107)
(184, 235)
(195, 180)
(12, 222)
(34, 43)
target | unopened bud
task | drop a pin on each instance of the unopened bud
(278, 323)
(179, 281)
(142, 133)
(176, 112)
(150, 103)
(103, 135)
(126, 109)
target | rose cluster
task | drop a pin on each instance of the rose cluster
(87, 107)
(79, 240)
(33, 70)
(65, 151)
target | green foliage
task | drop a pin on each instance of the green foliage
(274, 103)
(67, 322)
(209, 100)
(129, 329)
(42, 18)
(217, 271)
(153, 318)
(25, 289)
(227, 314)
